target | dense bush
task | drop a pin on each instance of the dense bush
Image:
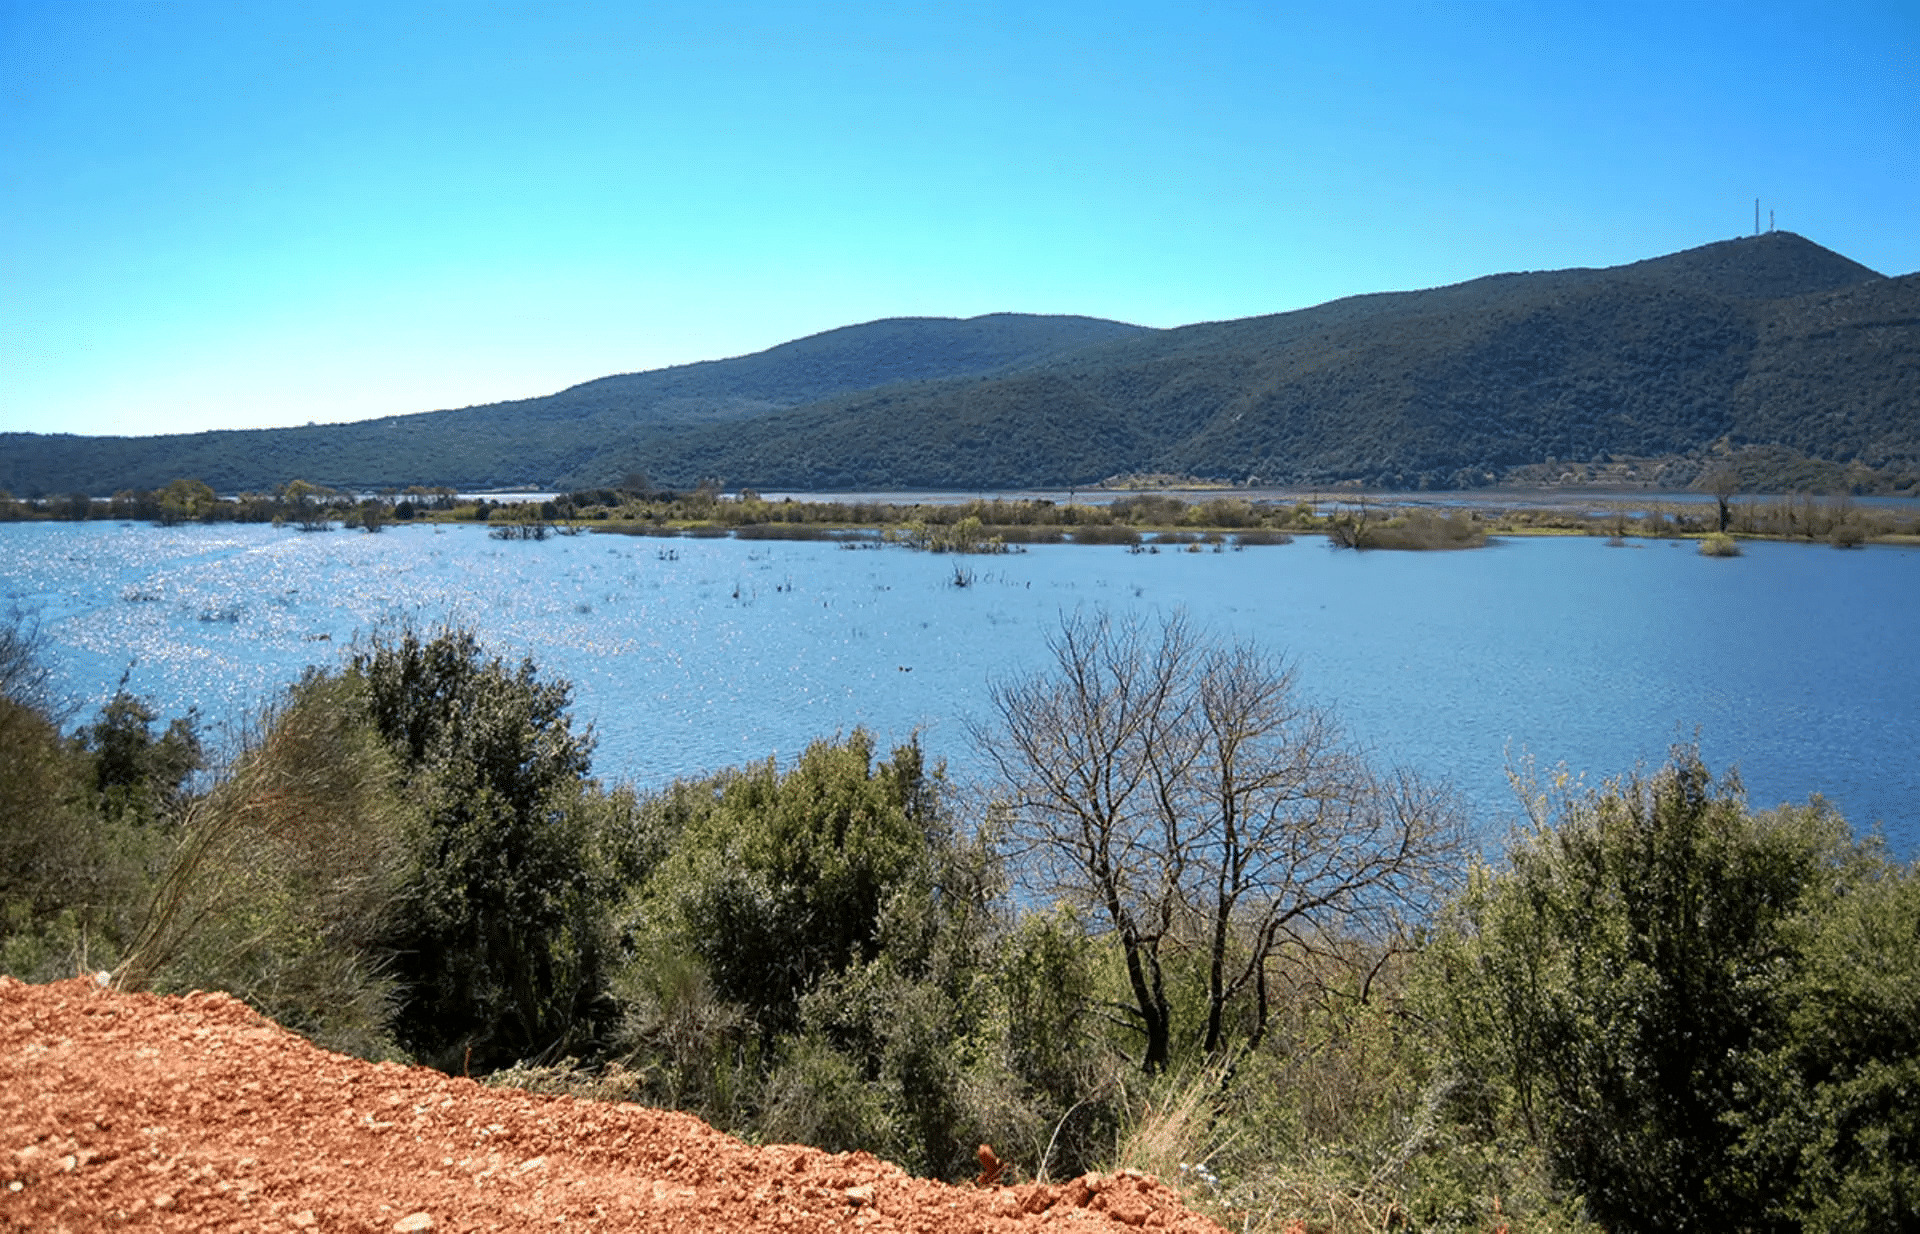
(136, 775)
(70, 880)
(783, 879)
(1700, 1014)
(282, 877)
(827, 929)
(501, 941)
(78, 840)
(1835, 1121)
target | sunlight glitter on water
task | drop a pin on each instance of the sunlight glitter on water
(687, 655)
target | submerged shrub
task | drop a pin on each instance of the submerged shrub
(1415, 531)
(1105, 533)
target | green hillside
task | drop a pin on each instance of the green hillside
(1770, 342)
(535, 441)
(1443, 388)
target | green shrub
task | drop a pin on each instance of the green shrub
(285, 875)
(818, 1096)
(809, 960)
(781, 879)
(71, 881)
(1637, 990)
(1837, 1113)
(502, 942)
(135, 774)
(689, 1048)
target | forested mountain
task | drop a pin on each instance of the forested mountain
(1766, 341)
(1443, 388)
(537, 441)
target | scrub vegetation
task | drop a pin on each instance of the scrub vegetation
(1189, 926)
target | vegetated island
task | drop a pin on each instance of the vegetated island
(1787, 366)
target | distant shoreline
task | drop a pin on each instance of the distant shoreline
(1503, 497)
(1194, 519)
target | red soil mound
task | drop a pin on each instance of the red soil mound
(195, 1113)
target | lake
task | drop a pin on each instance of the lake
(1799, 664)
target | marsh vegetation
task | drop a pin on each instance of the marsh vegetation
(998, 525)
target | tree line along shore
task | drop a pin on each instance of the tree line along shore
(1185, 924)
(1141, 521)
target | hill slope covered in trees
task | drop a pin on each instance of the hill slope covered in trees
(538, 440)
(1442, 388)
(1770, 341)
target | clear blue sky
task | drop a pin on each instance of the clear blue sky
(236, 214)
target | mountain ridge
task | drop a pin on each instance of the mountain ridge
(1445, 387)
(1769, 340)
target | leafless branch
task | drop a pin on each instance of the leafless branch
(1182, 790)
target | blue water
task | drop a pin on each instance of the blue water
(1798, 664)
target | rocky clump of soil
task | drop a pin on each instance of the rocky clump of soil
(194, 1113)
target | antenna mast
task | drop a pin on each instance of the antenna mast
(1756, 216)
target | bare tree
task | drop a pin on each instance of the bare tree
(1082, 756)
(23, 669)
(1181, 789)
(1723, 482)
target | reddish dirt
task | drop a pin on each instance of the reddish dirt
(195, 1113)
